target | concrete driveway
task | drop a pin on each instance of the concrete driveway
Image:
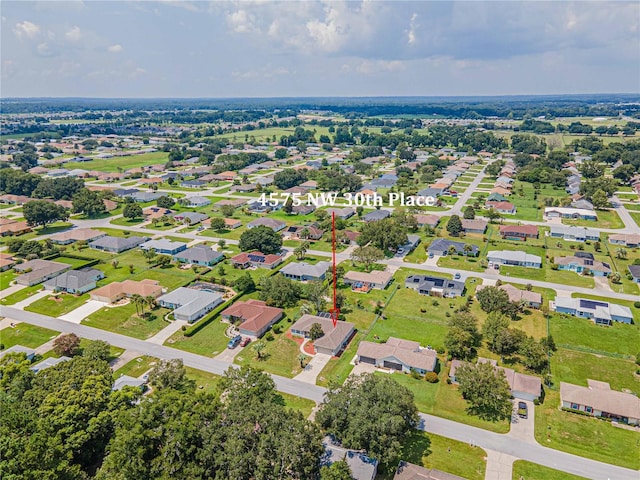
(523, 428)
(29, 300)
(83, 311)
(313, 368)
(229, 354)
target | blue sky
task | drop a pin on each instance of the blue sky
(311, 48)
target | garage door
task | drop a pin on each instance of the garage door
(393, 365)
(371, 361)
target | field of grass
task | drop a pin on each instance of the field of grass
(523, 470)
(606, 219)
(125, 321)
(136, 367)
(57, 305)
(302, 405)
(205, 381)
(26, 335)
(115, 164)
(588, 437)
(279, 357)
(6, 278)
(209, 341)
(20, 295)
(125, 222)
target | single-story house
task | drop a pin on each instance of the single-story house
(435, 286)
(128, 381)
(125, 192)
(29, 352)
(76, 235)
(156, 212)
(523, 386)
(361, 467)
(581, 264)
(38, 271)
(235, 202)
(598, 400)
(433, 192)
(376, 279)
(630, 240)
(343, 213)
(164, 246)
(582, 203)
(517, 258)
(190, 218)
(193, 184)
(496, 197)
(518, 232)
(571, 213)
(13, 227)
(199, 255)
(441, 246)
(574, 234)
(602, 313)
(634, 270)
(117, 244)
(430, 220)
(303, 209)
(48, 363)
(245, 187)
(474, 226)
(115, 291)
(532, 299)
(272, 223)
(264, 181)
(189, 304)
(303, 271)
(196, 201)
(398, 354)
(256, 259)
(310, 232)
(502, 207)
(6, 261)
(409, 471)
(334, 340)
(412, 242)
(254, 316)
(144, 197)
(376, 215)
(75, 281)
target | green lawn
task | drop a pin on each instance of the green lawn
(110, 165)
(279, 356)
(74, 262)
(205, 381)
(523, 470)
(606, 219)
(588, 437)
(303, 405)
(57, 305)
(136, 367)
(124, 320)
(209, 341)
(6, 278)
(125, 222)
(20, 295)
(26, 335)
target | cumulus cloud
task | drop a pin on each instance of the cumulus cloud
(26, 29)
(117, 48)
(240, 21)
(73, 34)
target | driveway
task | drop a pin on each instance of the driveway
(523, 428)
(229, 354)
(28, 301)
(602, 283)
(83, 311)
(499, 465)
(162, 336)
(313, 368)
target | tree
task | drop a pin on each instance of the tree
(486, 390)
(348, 412)
(163, 260)
(454, 226)
(244, 283)
(289, 177)
(149, 254)
(508, 342)
(280, 153)
(279, 291)
(336, 471)
(88, 202)
(367, 255)
(302, 358)
(493, 215)
(492, 299)
(43, 212)
(315, 292)
(218, 223)
(165, 201)
(288, 206)
(171, 374)
(67, 344)
(493, 326)
(469, 213)
(533, 355)
(261, 238)
(58, 188)
(621, 253)
(463, 337)
(97, 350)
(600, 200)
(315, 332)
(386, 234)
(227, 210)
(258, 347)
(137, 301)
(301, 250)
(132, 211)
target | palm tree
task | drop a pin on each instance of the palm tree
(467, 249)
(150, 301)
(300, 251)
(149, 254)
(137, 300)
(615, 277)
(302, 358)
(304, 233)
(621, 253)
(452, 250)
(259, 347)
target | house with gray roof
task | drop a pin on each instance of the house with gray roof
(272, 223)
(409, 471)
(376, 215)
(196, 201)
(117, 244)
(634, 270)
(164, 246)
(441, 247)
(48, 363)
(573, 233)
(334, 339)
(128, 381)
(360, 465)
(38, 271)
(29, 352)
(582, 265)
(435, 286)
(143, 197)
(343, 213)
(189, 304)
(302, 271)
(514, 258)
(199, 255)
(602, 313)
(75, 281)
(398, 354)
(190, 218)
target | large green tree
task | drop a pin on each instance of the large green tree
(88, 202)
(463, 338)
(43, 212)
(132, 211)
(261, 238)
(454, 225)
(279, 291)
(486, 390)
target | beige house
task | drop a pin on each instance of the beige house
(118, 290)
(599, 400)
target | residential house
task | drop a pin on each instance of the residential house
(334, 339)
(496, 197)
(598, 400)
(573, 233)
(164, 246)
(409, 471)
(116, 291)
(272, 223)
(232, 223)
(12, 227)
(582, 265)
(151, 213)
(128, 381)
(531, 299)
(193, 184)
(343, 213)
(474, 226)
(582, 203)
(303, 209)
(435, 286)
(189, 304)
(190, 218)
(570, 213)
(514, 258)
(501, 191)
(302, 271)
(75, 281)
(398, 354)
(441, 247)
(48, 363)
(196, 201)
(507, 208)
(244, 188)
(30, 353)
(364, 281)
(412, 242)
(602, 313)
(307, 232)
(309, 185)
(376, 215)
(256, 259)
(254, 316)
(630, 240)
(116, 244)
(235, 202)
(144, 197)
(6, 261)
(433, 192)
(76, 235)
(38, 271)
(361, 467)
(634, 270)
(430, 220)
(518, 232)
(199, 255)
(264, 181)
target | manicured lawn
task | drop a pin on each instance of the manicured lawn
(523, 470)
(26, 335)
(6, 278)
(74, 262)
(114, 232)
(136, 367)
(303, 405)
(57, 305)
(205, 381)
(209, 341)
(584, 436)
(125, 222)
(606, 219)
(124, 320)
(279, 357)
(170, 278)
(110, 165)
(20, 295)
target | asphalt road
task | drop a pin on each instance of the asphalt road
(447, 428)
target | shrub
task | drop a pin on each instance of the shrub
(415, 374)
(269, 337)
(536, 401)
(448, 381)
(636, 304)
(435, 303)
(277, 329)
(431, 377)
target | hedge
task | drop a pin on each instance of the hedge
(207, 320)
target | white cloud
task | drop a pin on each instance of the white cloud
(74, 34)
(411, 34)
(44, 50)
(26, 29)
(240, 21)
(117, 48)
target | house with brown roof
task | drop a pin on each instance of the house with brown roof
(518, 232)
(154, 212)
(501, 191)
(254, 316)
(6, 261)
(502, 207)
(256, 259)
(431, 220)
(334, 339)
(115, 291)
(13, 227)
(398, 354)
(597, 399)
(630, 240)
(235, 202)
(532, 299)
(368, 280)
(307, 232)
(75, 235)
(38, 270)
(409, 471)
(476, 225)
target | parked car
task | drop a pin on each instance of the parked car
(233, 343)
(245, 341)
(522, 410)
(457, 276)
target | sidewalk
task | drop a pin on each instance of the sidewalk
(499, 465)
(28, 301)
(162, 336)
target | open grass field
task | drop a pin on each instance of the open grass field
(209, 341)
(523, 470)
(57, 305)
(110, 165)
(6, 278)
(606, 219)
(584, 436)
(279, 356)
(26, 335)
(136, 367)
(20, 295)
(125, 321)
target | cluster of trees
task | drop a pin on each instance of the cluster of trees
(386, 234)
(334, 179)
(43, 212)
(17, 182)
(261, 238)
(31, 249)
(289, 177)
